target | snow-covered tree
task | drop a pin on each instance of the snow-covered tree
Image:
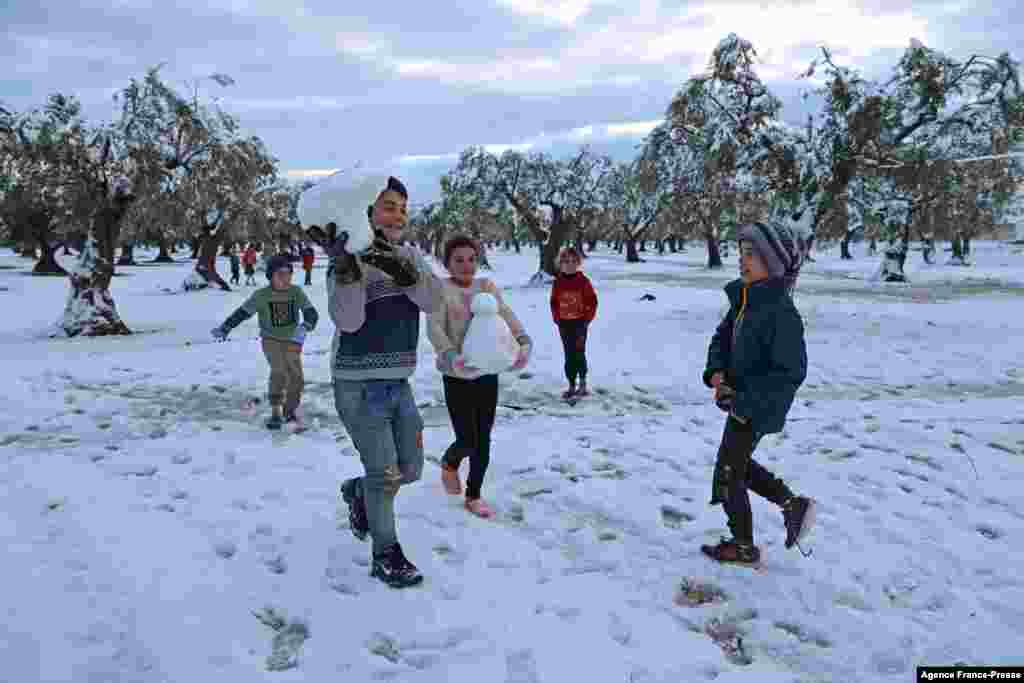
(149, 148)
(639, 191)
(36, 201)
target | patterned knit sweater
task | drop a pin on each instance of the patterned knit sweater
(378, 323)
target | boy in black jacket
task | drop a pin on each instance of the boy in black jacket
(756, 362)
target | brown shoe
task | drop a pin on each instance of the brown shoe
(450, 479)
(728, 551)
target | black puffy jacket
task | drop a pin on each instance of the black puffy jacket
(760, 349)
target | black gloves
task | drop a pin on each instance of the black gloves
(382, 255)
(724, 398)
(344, 266)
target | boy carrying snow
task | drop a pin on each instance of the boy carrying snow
(375, 301)
(282, 336)
(757, 360)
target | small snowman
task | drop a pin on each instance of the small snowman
(489, 344)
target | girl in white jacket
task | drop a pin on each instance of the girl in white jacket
(472, 396)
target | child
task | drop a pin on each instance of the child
(573, 306)
(249, 261)
(233, 255)
(282, 336)
(472, 397)
(375, 301)
(307, 264)
(756, 361)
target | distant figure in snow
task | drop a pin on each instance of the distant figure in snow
(282, 336)
(307, 264)
(471, 395)
(233, 256)
(757, 360)
(573, 307)
(249, 261)
(375, 299)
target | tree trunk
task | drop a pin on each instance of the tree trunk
(559, 231)
(47, 264)
(807, 248)
(284, 243)
(672, 245)
(516, 246)
(482, 258)
(928, 250)
(844, 248)
(195, 242)
(163, 256)
(127, 254)
(27, 250)
(873, 247)
(660, 244)
(632, 255)
(714, 256)
(206, 263)
(90, 310)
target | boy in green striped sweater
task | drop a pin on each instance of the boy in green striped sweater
(281, 334)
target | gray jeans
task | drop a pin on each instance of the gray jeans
(386, 428)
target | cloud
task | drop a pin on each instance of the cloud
(418, 82)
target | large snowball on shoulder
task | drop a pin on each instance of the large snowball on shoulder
(489, 344)
(342, 198)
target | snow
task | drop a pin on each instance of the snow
(181, 541)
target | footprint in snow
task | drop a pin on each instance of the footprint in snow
(674, 518)
(521, 667)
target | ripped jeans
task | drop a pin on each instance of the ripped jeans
(385, 425)
(736, 472)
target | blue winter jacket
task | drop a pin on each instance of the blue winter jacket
(760, 349)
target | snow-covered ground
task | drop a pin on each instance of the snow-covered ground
(154, 531)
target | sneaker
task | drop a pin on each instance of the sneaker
(728, 551)
(570, 392)
(479, 508)
(357, 520)
(394, 569)
(798, 514)
(274, 422)
(450, 480)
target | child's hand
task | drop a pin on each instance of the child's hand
(724, 395)
(460, 366)
(525, 349)
(219, 333)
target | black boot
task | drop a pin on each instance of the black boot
(357, 520)
(274, 422)
(798, 513)
(394, 569)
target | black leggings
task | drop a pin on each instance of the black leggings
(574, 343)
(472, 404)
(736, 471)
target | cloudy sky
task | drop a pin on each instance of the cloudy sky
(412, 83)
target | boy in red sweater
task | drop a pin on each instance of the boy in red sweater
(573, 307)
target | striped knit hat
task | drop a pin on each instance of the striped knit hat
(779, 249)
